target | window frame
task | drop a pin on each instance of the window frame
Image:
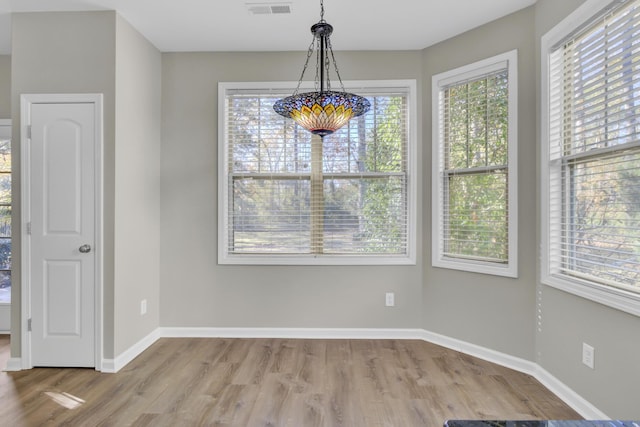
(610, 296)
(508, 61)
(224, 257)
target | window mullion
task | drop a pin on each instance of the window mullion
(317, 197)
(486, 122)
(468, 126)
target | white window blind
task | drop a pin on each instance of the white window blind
(291, 194)
(594, 152)
(473, 146)
(475, 156)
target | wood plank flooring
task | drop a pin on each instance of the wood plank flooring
(277, 382)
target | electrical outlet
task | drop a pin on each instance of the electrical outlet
(389, 299)
(588, 355)
(143, 307)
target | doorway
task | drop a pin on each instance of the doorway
(61, 175)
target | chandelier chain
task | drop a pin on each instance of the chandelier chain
(335, 64)
(317, 79)
(324, 111)
(306, 64)
(326, 65)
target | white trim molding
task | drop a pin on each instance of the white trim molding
(557, 387)
(124, 358)
(13, 364)
(570, 397)
(406, 87)
(551, 273)
(439, 83)
(292, 333)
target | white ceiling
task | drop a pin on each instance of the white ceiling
(227, 25)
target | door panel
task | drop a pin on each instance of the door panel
(62, 201)
(62, 290)
(62, 175)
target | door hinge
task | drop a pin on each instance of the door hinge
(29, 325)
(28, 131)
(29, 228)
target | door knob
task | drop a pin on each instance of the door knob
(85, 249)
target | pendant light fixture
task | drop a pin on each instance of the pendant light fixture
(324, 111)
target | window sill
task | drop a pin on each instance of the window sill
(315, 260)
(505, 270)
(618, 299)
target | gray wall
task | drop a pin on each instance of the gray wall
(137, 187)
(490, 311)
(5, 87)
(195, 290)
(568, 321)
(98, 52)
(65, 53)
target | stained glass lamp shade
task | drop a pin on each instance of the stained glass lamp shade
(324, 111)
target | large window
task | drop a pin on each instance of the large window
(591, 154)
(287, 197)
(474, 167)
(5, 212)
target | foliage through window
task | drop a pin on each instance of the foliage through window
(473, 175)
(5, 218)
(297, 198)
(592, 156)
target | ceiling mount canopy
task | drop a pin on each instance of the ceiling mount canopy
(324, 111)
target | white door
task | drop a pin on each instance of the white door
(62, 233)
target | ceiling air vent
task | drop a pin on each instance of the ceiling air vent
(268, 8)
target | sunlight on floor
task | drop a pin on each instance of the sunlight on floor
(65, 399)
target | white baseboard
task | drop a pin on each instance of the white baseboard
(566, 394)
(114, 365)
(300, 333)
(570, 397)
(502, 359)
(13, 364)
(109, 366)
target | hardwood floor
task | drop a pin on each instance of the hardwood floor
(277, 382)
